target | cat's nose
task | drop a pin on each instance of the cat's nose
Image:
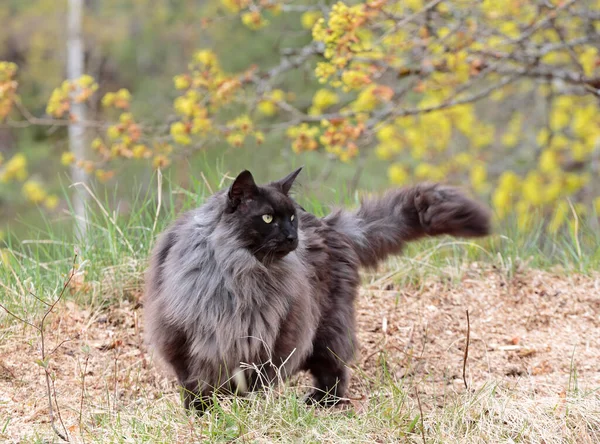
(291, 238)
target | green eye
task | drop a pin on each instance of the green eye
(268, 218)
(292, 218)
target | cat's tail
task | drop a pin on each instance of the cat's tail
(382, 225)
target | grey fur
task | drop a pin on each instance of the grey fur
(212, 306)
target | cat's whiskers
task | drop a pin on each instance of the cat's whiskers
(270, 254)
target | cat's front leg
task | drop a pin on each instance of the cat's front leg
(195, 399)
(333, 349)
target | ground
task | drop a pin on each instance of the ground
(532, 368)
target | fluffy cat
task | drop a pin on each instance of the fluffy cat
(250, 287)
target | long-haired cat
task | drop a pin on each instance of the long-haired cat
(250, 287)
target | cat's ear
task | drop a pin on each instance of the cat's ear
(285, 184)
(242, 188)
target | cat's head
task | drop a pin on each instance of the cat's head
(264, 217)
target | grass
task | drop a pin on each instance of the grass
(410, 318)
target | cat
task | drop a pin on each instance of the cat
(250, 288)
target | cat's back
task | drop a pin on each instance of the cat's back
(330, 256)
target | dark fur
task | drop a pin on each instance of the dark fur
(225, 290)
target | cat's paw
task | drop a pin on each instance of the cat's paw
(322, 398)
(195, 402)
(446, 210)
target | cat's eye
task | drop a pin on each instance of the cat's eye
(268, 218)
(292, 218)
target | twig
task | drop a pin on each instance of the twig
(451, 103)
(87, 358)
(286, 64)
(64, 341)
(550, 73)
(43, 351)
(40, 330)
(570, 50)
(537, 25)
(464, 374)
(405, 20)
(18, 318)
(39, 299)
(66, 436)
(30, 120)
(422, 421)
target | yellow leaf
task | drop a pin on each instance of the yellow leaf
(502, 200)
(509, 181)
(559, 118)
(324, 98)
(309, 18)
(559, 217)
(397, 174)
(181, 82)
(160, 161)
(532, 188)
(597, 205)
(15, 168)
(542, 137)
(51, 202)
(139, 151)
(548, 162)
(510, 28)
(478, 177)
(108, 99)
(384, 152)
(180, 133)
(267, 107)
(67, 158)
(34, 191)
(588, 59)
(254, 20)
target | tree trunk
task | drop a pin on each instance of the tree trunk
(77, 140)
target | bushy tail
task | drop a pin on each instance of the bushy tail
(382, 225)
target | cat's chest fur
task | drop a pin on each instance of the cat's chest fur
(235, 308)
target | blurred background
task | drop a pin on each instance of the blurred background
(499, 97)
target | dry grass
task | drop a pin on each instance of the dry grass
(533, 370)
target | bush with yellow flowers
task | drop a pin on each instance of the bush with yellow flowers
(15, 170)
(8, 88)
(497, 95)
(269, 103)
(70, 91)
(436, 89)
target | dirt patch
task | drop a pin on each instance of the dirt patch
(537, 329)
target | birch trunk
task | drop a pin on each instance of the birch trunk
(77, 140)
